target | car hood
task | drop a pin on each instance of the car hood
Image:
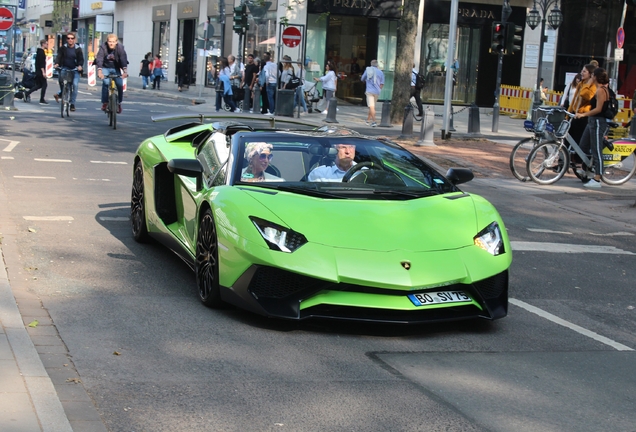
(432, 223)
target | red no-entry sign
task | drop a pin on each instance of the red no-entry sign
(6, 18)
(291, 37)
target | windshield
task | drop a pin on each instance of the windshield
(334, 167)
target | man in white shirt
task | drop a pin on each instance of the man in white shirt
(334, 173)
(271, 76)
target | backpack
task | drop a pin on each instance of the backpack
(419, 81)
(611, 105)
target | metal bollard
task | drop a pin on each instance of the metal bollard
(407, 124)
(426, 132)
(451, 128)
(257, 99)
(386, 114)
(473, 119)
(331, 111)
(247, 98)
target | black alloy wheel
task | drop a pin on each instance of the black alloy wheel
(137, 208)
(207, 262)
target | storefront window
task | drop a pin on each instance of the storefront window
(387, 46)
(316, 46)
(161, 42)
(261, 37)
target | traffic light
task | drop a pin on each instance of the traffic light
(513, 37)
(240, 19)
(498, 41)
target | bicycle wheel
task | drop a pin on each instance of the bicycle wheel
(548, 162)
(113, 108)
(64, 99)
(619, 172)
(519, 157)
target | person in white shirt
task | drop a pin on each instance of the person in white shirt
(329, 82)
(271, 76)
(334, 173)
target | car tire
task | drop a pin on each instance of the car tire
(137, 206)
(206, 265)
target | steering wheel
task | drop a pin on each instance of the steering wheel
(357, 167)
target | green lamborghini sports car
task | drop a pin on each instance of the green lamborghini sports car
(323, 223)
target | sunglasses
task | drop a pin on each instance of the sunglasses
(266, 156)
(70, 38)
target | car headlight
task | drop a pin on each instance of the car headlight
(277, 237)
(489, 239)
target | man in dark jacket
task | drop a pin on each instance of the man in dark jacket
(40, 73)
(69, 57)
(110, 60)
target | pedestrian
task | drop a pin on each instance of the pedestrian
(70, 57)
(374, 79)
(299, 96)
(180, 71)
(144, 70)
(250, 76)
(261, 81)
(271, 78)
(40, 73)
(287, 73)
(157, 72)
(570, 91)
(581, 102)
(592, 139)
(329, 83)
(235, 71)
(416, 88)
(224, 91)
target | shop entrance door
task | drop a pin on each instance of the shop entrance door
(186, 48)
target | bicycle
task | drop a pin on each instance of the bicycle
(113, 101)
(67, 76)
(549, 161)
(543, 130)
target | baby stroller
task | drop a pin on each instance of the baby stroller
(238, 93)
(22, 87)
(312, 96)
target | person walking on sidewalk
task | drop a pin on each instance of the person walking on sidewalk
(110, 60)
(180, 71)
(144, 70)
(271, 78)
(329, 83)
(157, 72)
(374, 79)
(40, 73)
(249, 78)
(70, 57)
(416, 89)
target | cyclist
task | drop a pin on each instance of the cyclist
(110, 59)
(69, 57)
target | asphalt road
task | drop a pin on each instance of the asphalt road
(152, 358)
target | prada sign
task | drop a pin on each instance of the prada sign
(468, 13)
(372, 8)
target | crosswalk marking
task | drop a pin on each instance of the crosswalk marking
(566, 248)
(52, 160)
(48, 218)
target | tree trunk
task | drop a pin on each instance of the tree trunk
(404, 63)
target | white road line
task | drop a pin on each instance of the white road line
(6, 157)
(566, 248)
(109, 162)
(539, 230)
(52, 160)
(620, 233)
(114, 218)
(555, 319)
(34, 177)
(48, 218)
(11, 145)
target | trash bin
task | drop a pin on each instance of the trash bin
(285, 103)
(6, 90)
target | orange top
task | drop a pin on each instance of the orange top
(582, 97)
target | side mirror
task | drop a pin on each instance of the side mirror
(459, 175)
(188, 168)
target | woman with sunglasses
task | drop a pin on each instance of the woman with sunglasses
(258, 156)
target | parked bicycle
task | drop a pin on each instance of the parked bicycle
(67, 76)
(113, 101)
(542, 130)
(549, 161)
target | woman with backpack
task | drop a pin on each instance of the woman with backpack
(592, 139)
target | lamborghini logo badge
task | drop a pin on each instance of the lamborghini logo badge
(406, 265)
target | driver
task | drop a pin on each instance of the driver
(258, 155)
(334, 173)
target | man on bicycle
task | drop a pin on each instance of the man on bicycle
(69, 57)
(110, 60)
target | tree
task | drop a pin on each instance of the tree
(407, 32)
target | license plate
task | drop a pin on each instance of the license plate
(439, 297)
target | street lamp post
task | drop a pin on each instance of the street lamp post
(555, 18)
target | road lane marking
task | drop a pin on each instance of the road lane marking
(114, 218)
(6, 157)
(620, 233)
(555, 319)
(34, 177)
(539, 230)
(11, 145)
(91, 179)
(109, 162)
(566, 248)
(52, 160)
(48, 218)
